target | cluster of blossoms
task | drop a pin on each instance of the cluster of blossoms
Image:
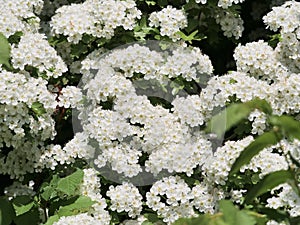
(120, 127)
(97, 215)
(125, 197)
(96, 18)
(19, 189)
(19, 16)
(134, 126)
(231, 24)
(34, 50)
(258, 59)
(178, 196)
(170, 20)
(288, 49)
(287, 198)
(221, 3)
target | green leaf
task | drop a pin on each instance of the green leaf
(234, 114)
(265, 140)
(22, 204)
(289, 126)
(49, 191)
(52, 219)
(227, 118)
(7, 212)
(69, 184)
(38, 108)
(162, 2)
(29, 218)
(234, 216)
(4, 51)
(269, 182)
(82, 204)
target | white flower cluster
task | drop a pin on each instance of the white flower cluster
(70, 96)
(82, 218)
(134, 126)
(170, 20)
(217, 167)
(125, 197)
(177, 195)
(258, 59)
(19, 189)
(94, 17)
(231, 24)
(258, 120)
(21, 96)
(266, 162)
(227, 3)
(205, 197)
(91, 188)
(287, 198)
(19, 16)
(286, 18)
(34, 50)
(54, 155)
(221, 3)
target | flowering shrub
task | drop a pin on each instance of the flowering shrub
(149, 112)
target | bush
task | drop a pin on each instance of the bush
(149, 112)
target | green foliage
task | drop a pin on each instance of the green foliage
(38, 108)
(269, 182)
(81, 205)
(4, 51)
(265, 140)
(7, 212)
(69, 184)
(22, 204)
(234, 114)
(229, 215)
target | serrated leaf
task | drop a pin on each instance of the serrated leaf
(22, 204)
(69, 184)
(269, 182)
(82, 204)
(4, 51)
(7, 212)
(49, 191)
(265, 140)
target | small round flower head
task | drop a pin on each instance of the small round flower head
(258, 59)
(93, 17)
(19, 16)
(70, 96)
(286, 19)
(83, 218)
(205, 197)
(125, 197)
(285, 198)
(177, 194)
(170, 20)
(227, 3)
(34, 50)
(231, 24)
